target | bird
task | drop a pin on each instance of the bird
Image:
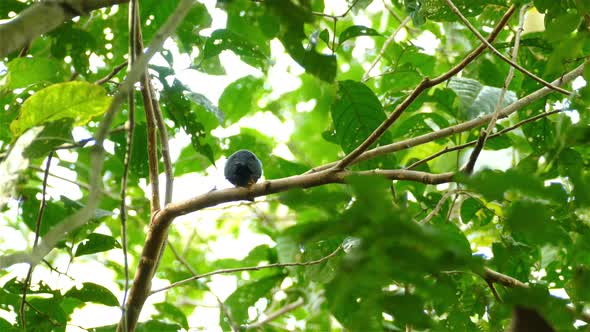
(243, 169)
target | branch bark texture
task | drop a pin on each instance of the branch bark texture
(42, 17)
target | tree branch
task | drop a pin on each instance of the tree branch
(42, 17)
(161, 221)
(465, 126)
(423, 86)
(496, 52)
(113, 72)
(492, 124)
(501, 132)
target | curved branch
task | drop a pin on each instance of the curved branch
(162, 219)
(42, 17)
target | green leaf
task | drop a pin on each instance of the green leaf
(91, 292)
(469, 208)
(80, 101)
(23, 72)
(407, 310)
(355, 31)
(419, 124)
(54, 134)
(197, 19)
(531, 222)
(137, 165)
(96, 242)
(46, 314)
(356, 113)
(204, 102)
(292, 34)
(494, 184)
(157, 326)
(196, 121)
(223, 39)
(476, 99)
(168, 311)
(240, 98)
(245, 296)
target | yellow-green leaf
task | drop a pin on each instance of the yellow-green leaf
(80, 101)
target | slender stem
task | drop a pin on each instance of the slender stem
(384, 48)
(501, 132)
(36, 241)
(114, 72)
(249, 268)
(492, 124)
(496, 52)
(133, 18)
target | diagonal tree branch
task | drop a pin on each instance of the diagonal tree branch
(42, 17)
(501, 132)
(462, 127)
(500, 55)
(162, 220)
(425, 84)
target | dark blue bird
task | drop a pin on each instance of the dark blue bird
(243, 168)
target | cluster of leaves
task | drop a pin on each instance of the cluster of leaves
(394, 272)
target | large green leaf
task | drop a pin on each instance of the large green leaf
(245, 296)
(356, 113)
(96, 242)
(240, 97)
(91, 292)
(80, 101)
(356, 31)
(23, 72)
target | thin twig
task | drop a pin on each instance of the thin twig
(250, 268)
(36, 241)
(496, 52)
(499, 133)
(274, 315)
(422, 86)
(133, 18)
(56, 270)
(437, 208)
(468, 169)
(337, 16)
(384, 48)
(110, 75)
